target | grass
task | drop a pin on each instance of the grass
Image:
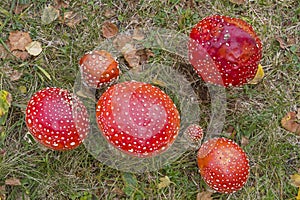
(254, 111)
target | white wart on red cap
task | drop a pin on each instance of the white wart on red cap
(50, 120)
(223, 165)
(98, 68)
(138, 118)
(224, 50)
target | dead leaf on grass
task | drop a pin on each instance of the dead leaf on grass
(61, 4)
(290, 122)
(282, 42)
(108, 13)
(2, 192)
(239, 2)
(164, 182)
(13, 182)
(295, 180)
(121, 40)
(18, 40)
(244, 141)
(204, 195)
(34, 48)
(72, 19)
(129, 53)
(49, 14)
(109, 30)
(231, 132)
(12, 74)
(138, 34)
(258, 76)
(23, 55)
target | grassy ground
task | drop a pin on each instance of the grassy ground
(254, 111)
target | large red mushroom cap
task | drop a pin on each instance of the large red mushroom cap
(224, 50)
(98, 68)
(223, 165)
(138, 118)
(50, 120)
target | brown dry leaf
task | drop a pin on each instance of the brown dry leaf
(138, 34)
(231, 132)
(289, 122)
(244, 141)
(72, 19)
(164, 182)
(144, 55)
(204, 195)
(2, 192)
(23, 55)
(13, 182)
(109, 29)
(108, 13)
(129, 53)
(61, 4)
(12, 74)
(18, 40)
(238, 1)
(295, 180)
(20, 7)
(281, 42)
(120, 41)
(34, 48)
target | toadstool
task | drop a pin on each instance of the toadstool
(138, 118)
(224, 50)
(98, 68)
(194, 134)
(50, 119)
(223, 165)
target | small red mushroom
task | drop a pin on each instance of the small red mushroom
(138, 118)
(98, 68)
(224, 50)
(223, 165)
(50, 119)
(194, 133)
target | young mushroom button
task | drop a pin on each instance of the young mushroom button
(223, 165)
(138, 118)
(98, 68)
(50, 119)
(224, 50)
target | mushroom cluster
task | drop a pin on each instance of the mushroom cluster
(225, 51)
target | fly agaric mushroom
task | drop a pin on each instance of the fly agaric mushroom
(194, 133)
(224, 50)
(138, 118)
(98, 68)
(50, 119)
(223, 165)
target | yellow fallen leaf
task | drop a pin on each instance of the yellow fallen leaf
(295, 180)
(289, 122)
(259, 75)
(298, 196)
(164, 182)
(34, 48)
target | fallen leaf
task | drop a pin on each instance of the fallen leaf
(244, 141)
(231, 132)
(61, 4)
(18, 40)
(13, 182)
(118, 191)
(20, 7)
(138, 34)
(144, 55)
(289, 122)
(238, 1)
(34, 48)
(23, 55)
(129, 53)
(2, 192)
(164, 182)
(204, 195)
(108, 13)
(5, 103)
(298, 196)
(49, 14)
(72, 19)
(109, 30)
(258, 76)
(11, 73)
(295, 180)
(120, 41)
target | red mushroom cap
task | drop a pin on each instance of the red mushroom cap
(50, 120)
(194, 133)
(138, 118)
(223, 165)
(99, 68)
(224, 50)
